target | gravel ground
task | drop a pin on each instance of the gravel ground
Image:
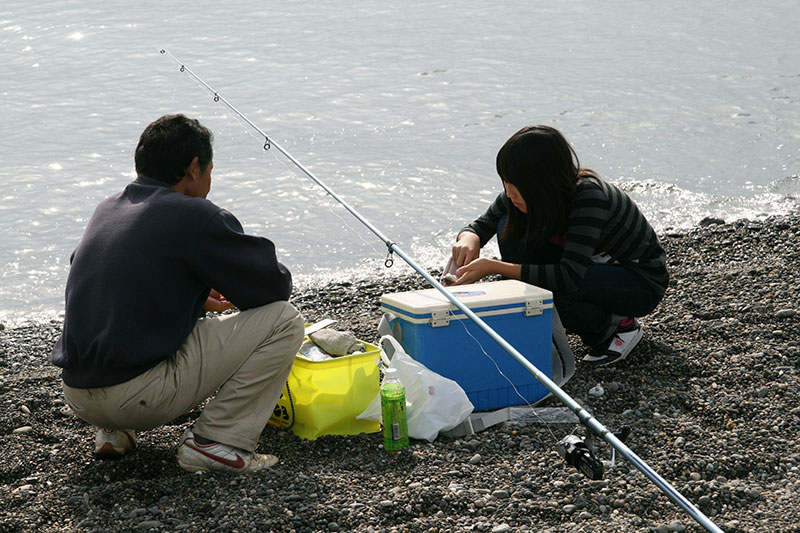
(711, 396)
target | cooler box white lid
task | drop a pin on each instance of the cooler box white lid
(493, 297)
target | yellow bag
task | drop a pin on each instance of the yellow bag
(324, 397)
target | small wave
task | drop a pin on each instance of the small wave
(788, 187)
(11, 320)
(669, 207)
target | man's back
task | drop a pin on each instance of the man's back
(141, 274)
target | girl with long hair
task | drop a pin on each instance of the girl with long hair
(561, 227)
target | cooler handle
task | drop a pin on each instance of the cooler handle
(386, 324)
(562, 353)
(390, 326)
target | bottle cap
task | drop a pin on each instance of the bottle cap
(389, 371)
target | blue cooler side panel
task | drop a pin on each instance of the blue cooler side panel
(453, 352)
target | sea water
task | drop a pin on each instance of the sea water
(400, 108)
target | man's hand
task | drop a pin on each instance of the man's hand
(466, 249)
(217, 302)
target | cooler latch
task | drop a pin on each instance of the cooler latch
(533, 307)
(440, 318)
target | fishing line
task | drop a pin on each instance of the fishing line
(521, 397)
(609, 464)
(357, 234)
(583, 415)
(249, 128)
(325, 202)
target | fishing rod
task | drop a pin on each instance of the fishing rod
(584, 416)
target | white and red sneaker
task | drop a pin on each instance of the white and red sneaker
(196, 457)
(114, 443)
(624, 340)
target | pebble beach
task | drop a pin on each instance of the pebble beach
(711, 397)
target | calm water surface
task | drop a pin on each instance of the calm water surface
(400, 108)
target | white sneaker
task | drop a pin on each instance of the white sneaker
(196, 457)
(622, 343)
(114, 443)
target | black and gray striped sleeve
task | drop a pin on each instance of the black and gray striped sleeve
(485, 226)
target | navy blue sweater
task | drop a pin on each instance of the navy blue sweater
(141, 274)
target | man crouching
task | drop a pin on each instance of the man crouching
(137, 349)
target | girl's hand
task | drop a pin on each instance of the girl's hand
(484, 266)
(474, 271)
(466, 249)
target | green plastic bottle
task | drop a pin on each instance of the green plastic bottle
(393, 411)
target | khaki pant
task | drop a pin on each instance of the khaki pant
(246, 357)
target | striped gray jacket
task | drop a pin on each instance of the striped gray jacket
(603, 225)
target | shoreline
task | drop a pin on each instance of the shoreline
(711, 395)
(400, 275)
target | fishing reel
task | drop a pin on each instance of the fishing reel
(575, 452)
(579, 452)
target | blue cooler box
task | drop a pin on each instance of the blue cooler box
(437, 334)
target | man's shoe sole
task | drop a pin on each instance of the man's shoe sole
(108, 451)
(193, 468)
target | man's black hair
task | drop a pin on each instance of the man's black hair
(168, 145)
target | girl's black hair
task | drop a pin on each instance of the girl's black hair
(169, 144)
(542, 165)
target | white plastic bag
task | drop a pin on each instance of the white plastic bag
(434, 403)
